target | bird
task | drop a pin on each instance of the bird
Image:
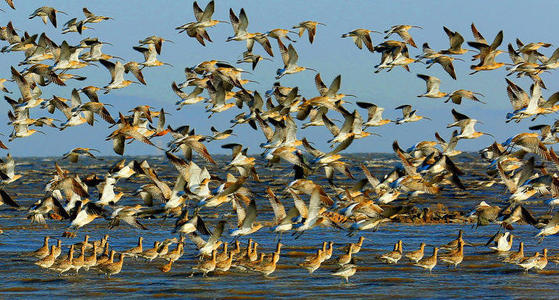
(503, 241)
(393, 256)
(345, 271)
(112, 268)
(529, 262)
(408, 115)
(374, 114)
(43, 251)
(361, 36)
(467, 126)
(457, 96)
(430, 262)
(207, 266)
(48, 260)
(551, 228)
(417, 255)
(433, 84)
(64, 264)
(117, 75)
(74, 154)
(456, 40)
(310, 27)
(516, 257)
(46, 13)
(402, 31)
(246, 218)
(446, 63)
(455, 257)
(290, 57)
(313, 262)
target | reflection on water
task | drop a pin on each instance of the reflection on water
(481, 273)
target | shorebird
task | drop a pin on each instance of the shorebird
(417, 255)
(150, 56)
(112, 268)
(46, 13)
(310, 27)
(551, 228)
(203, 20)
(345, 271)
(446, 63)
(402, 31)
(430, 262)
(117, 75)
(313, 262)
(361, 36)
(85, 213)
(455, 257)
(92, 18)
(91, 260)
(207, 266)
(466, 124)
(206, 247)
(516, 257)
(542, 261)
(408, 115)
(456, 40)
(151, 254)
(48, 260)
(374, 115)
(345, 259)
(75, 153)
(43, 251)
(394, 256)
(135, 251)
(433, 85)
(529, 262)
(246, 218)
(457, 96)
(290, 57)
(503, 241)
(268, 268)
(64, 264)
(487, 53)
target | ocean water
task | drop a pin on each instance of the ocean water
(480, 275)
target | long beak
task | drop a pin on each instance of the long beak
(311, 69)
(457, 58)
(489, 134)
(427, 118)
(376, 31)
(169, 41)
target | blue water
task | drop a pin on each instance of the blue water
(480, 275)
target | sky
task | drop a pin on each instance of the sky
(329, 54)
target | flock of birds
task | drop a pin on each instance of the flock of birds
(524, 163)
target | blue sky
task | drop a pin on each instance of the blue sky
(330, 54)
